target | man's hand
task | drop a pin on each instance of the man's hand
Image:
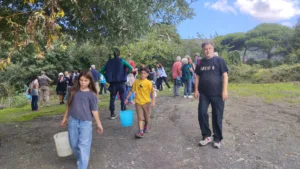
(126, 101)
(224, 95)
(196, 94)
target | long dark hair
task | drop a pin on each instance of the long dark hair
(160, 65)
(76, 87)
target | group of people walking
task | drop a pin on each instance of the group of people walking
(39, 88)
(207, 78)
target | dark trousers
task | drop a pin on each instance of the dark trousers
(217, 105)
(159, 82)
(34, 102)
(114, 88)
(102, 86)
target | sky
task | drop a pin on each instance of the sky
(229, 16)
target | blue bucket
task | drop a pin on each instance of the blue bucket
(126, 117)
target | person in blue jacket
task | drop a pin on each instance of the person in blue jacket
(116, 75)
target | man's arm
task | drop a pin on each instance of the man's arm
(125, 63)
(179, 70)
(225, 86)
(196, 92)
(49, 79)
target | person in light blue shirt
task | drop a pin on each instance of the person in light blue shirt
(102, 81)
(162, 76)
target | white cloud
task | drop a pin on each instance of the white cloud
(288, 24)
(220, 5)
(269, 10)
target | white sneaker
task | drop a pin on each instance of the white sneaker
(217, 144)
(205, 141)
(190, 96)
(185, 96)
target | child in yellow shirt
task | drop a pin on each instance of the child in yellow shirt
(143, 88)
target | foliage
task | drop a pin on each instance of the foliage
(234, 41)
(268, 36)
(256, 74)
(162, 44)
(234, 58)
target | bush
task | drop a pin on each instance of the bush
(256, 74)
(18, 101)
(234, 58)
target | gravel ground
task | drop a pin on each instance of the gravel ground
(256, 136)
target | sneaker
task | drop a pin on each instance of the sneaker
(205, 141)
(77, 163)
(146, 129)
(217, 144)
(190, 96)
(139, 135)
(113, 116)
(185, 96)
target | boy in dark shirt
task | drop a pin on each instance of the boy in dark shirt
(211, 88)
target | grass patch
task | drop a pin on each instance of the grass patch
(10, 115)
(289, 92)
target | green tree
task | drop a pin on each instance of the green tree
(234, 57)
(267, 37)
(162, 44)
(236, 41)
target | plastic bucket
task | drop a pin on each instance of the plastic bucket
(126, 118)
(62, 144)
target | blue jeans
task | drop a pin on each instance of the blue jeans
(34, 102)
(217, 105)
(80, 136)
(188, 87)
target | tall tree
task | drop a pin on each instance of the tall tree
(267, 37)
(236, 41)
(114, 22)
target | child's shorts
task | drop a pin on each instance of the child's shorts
(143, 111)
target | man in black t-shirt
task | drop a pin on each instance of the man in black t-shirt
(211, 88)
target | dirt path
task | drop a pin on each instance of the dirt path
(256, 136)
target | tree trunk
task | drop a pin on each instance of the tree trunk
(244, 55)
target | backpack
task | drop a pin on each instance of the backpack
(184, 73)
(43, 81)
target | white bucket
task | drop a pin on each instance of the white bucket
(62, 144)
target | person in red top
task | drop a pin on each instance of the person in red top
(132, 63)
(176, 74)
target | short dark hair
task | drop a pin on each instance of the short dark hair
(145, 69)
(206, 43)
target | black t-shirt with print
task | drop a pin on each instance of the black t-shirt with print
(210, 72)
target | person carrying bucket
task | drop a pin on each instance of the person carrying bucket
(116, 75)
(82, 106)
(143, 88)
